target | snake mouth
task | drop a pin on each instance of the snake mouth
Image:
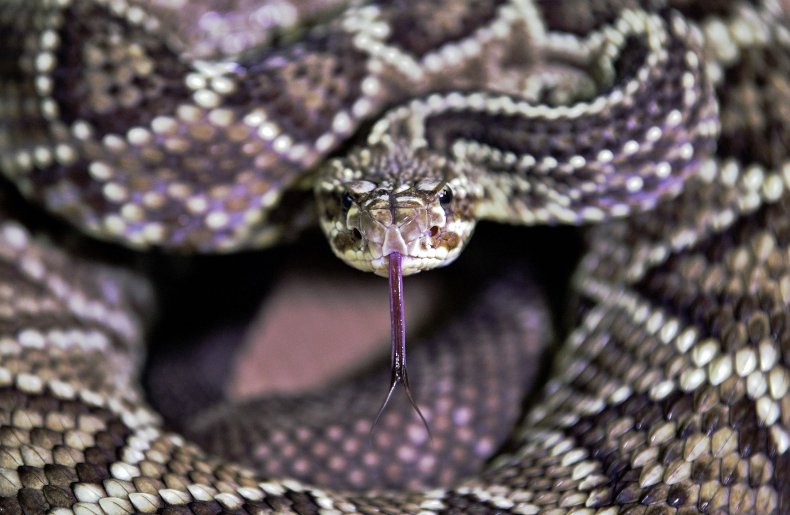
(422, 239)
(420, 252)
(412, 263)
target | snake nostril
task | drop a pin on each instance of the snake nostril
(356, 234)
(434, 230)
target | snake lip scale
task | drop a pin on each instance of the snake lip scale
(660, 127)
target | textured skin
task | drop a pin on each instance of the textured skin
(669, 396)
(510, 159)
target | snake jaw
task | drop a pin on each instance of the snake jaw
(420, 234)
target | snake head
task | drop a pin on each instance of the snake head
(384, 199)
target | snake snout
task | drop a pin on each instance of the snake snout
(393, 242)
(397, 229)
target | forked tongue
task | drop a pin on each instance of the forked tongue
(398, 324)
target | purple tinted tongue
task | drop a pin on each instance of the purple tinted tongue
(397, 315)
(398, 324)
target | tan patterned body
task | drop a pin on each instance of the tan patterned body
(664, 130)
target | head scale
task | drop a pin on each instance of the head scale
(388, 198)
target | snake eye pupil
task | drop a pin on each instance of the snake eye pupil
(346, 201)
(446, 196)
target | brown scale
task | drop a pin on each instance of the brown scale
(642, 414)
(705, 309)
(47, 486)
(752, 439)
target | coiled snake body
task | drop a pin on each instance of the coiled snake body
(664, 126)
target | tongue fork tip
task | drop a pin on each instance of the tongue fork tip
(398, 331)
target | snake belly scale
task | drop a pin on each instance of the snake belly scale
(662, 125)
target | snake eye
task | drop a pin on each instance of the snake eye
(446, 196)
(346, 201)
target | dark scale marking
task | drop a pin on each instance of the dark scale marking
(205, 507)
(303, 86)
(756, 91)
(627, 64)
(420, 27)
(456, 504)
(177, 510)
(753, 437)
(581, 17)
(655, 495)
(303, 503)
(32, 501)
(96, 78)
(782, 481)
(12, 41)
(21, 123)
(31, 477)
(701, 10)
(76, 175)
(58, 497)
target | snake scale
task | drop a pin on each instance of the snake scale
(660, 126)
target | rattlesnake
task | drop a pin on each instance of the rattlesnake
(669, 395)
